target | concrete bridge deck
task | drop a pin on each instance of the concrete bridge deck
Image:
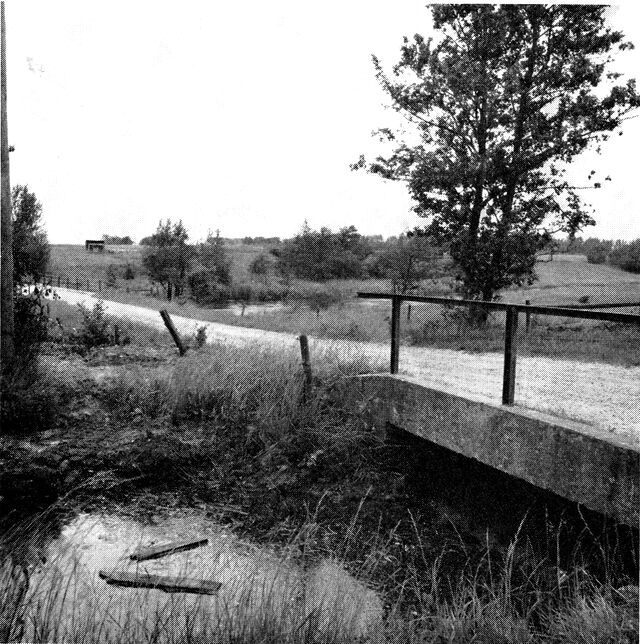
(563, 456)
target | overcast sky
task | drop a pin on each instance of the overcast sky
(242, 116)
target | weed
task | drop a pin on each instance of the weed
(201, 337)
(95, 326)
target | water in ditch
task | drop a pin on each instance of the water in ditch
(261, 591)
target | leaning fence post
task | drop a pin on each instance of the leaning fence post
(510, 335)
(395, 333)
(306, 366)
(172, 330)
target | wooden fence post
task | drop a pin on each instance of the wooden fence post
(172, 330)
(116, 334)
(58, 281)
(509, 377)
(67, 282)
(306, 367)
(88, 287)
(99, 285)
(395, 333)
(77, 284)
(527, 318)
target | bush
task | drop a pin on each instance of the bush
(597, 254)
(626, 256)
(129, 272)
(95, 326)
(201, 337)
(206, 289)
(260, 265)
(28, 400)
(322, 299)
(112, 278)
(323, 255)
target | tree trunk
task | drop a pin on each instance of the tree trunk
(7, 346)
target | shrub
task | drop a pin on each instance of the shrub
(95, 326)
(28, 401)
(323, 255)
(201, 337)
(129, 272)
(31, 324)
(597, 254)
(626, 256)
(206, 289)
(321, 299)
(260, 265)
(112, 278)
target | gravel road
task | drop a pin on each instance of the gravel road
(605, 397)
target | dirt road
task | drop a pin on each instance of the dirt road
(606, 397)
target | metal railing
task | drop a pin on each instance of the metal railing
(511, 325)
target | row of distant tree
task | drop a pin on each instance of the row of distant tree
(624, 255)
(204, 269)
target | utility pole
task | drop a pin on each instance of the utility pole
(7, 348)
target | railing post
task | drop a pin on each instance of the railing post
(58, 281)
(527, 318)
(510, 335)
(395, 333)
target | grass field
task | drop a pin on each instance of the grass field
(565, 280)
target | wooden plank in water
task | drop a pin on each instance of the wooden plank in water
(155, 552)
(166, 584)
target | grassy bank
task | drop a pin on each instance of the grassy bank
(313, 476)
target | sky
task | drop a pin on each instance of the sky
(238, 116)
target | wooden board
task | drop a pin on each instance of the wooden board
(166, 584)
(155, 552)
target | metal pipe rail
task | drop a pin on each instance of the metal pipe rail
(511, 326)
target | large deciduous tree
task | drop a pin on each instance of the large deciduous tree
(30, 243)
(499, 103)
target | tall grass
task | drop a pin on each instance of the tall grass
(301, 594)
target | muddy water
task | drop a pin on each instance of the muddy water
(260, 590)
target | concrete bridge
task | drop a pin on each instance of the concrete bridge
(566, 457)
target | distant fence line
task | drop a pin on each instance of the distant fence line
(511, 324)
(81, 284)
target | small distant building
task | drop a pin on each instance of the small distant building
(94, 245)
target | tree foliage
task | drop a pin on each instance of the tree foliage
(114, 240)
(210, 279)
(406, 262)
(626, 255)
(497, 107)
(30, 243)
(167, 257)
(323, 255)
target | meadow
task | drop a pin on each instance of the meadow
(568, 279)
